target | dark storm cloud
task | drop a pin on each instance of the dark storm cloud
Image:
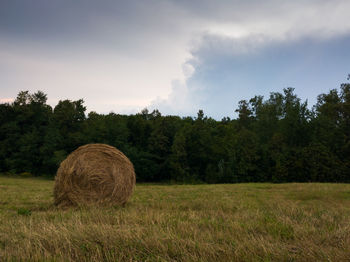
(83, 22)
(40, 17)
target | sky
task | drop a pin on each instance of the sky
(173, 55)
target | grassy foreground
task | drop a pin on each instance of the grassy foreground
(239, 222)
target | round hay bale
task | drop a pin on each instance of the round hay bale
(94, 174)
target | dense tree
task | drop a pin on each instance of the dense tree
(279, 139)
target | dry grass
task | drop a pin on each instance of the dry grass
(241, 222)
(94, 174)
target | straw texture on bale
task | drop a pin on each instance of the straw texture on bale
(94, 174)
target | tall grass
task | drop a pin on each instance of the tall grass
(239, 222)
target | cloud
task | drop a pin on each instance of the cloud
(271, 17)
(121, 58)
(125, 55)
(228, 70)
(253, 48)
(107, 82)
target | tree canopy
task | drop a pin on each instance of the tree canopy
(278, 139)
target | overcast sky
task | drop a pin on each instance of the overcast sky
(177, 56)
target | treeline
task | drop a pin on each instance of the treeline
(279, 139)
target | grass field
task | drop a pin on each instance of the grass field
(236, 222)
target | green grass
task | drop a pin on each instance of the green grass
(237, 222)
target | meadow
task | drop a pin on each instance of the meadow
(222, 222)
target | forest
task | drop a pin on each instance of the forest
(276, 139)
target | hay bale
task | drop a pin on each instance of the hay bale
(94, 174)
